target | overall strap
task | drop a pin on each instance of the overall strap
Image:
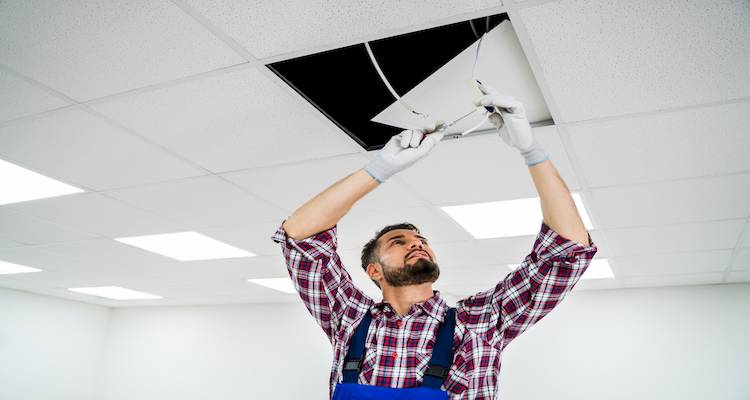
(356, 353)
(442, 353)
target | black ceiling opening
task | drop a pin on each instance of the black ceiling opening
(344, 85)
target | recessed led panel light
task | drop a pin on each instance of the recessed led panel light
(281, 284)
(598, 269)
(10, 268)
(20, 184)
(115, 292)
(506, 218)
(186, 246)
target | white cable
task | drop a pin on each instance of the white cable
(475, 127)
(388, 85)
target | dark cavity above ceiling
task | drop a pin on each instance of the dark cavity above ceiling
(344, 85)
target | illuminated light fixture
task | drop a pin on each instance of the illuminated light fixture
(115, 292)
(21, 184)
(598, 269)
(186, 246)
(281, 284)
(506, 218)
(7, 268)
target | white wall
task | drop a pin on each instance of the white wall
(661, 343)
(49, 348)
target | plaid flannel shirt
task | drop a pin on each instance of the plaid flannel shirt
(398, 348)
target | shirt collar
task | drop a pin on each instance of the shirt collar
(435, 306)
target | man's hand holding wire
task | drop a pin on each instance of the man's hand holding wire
(403, 150)
(510, 119)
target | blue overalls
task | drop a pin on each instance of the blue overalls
(437, 370)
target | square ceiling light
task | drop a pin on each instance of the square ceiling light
(7, 268)
(186, 246)
(431, 69)
(20, 184)
(506, 218)
(115, 292)
(598, 269)
(281, 284)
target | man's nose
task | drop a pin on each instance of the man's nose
(417, 243)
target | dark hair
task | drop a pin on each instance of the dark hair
(371, 247)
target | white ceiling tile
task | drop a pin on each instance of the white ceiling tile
(201, 202)
(498, 251)
(221, 269)
(97, 214)
(598, 284)
(81, 149)
(673, 263)
(672, 280)
(26, 229)
(19, 98)
(741, 260)
(482, 168)
(267, 29)
(746, 237)
(31, 256)
(290, 186)
(231, 121)
(9, 243)
(89, 49)
(357, 228)
(104, 253)
(255, 238)
(675, 238)
(693, 200)
(682, 144)
(734, 276)
(602, 58)
(87, 276)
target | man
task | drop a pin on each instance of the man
(411, 345)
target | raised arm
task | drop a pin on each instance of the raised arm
(327, 208)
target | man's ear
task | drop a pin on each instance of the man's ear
(374, 271)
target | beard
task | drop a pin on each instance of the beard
(422, 271)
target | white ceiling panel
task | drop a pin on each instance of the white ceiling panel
(31, 256)
(603, 58)
(746, 237)
(675, 238)
(98, 215)
(672, 280)
(705, 199)
(357, 228)
(81, 149)
(201, 202)
(682, 144)
(104, 253)
(131, 278)
(231, 121)
(28, 230)
(738, 276)
(255, 238)
(89, 49)
(696, 262)
(222, 269)
(271, 28)
(290, 188)
(19, 98)
(483, 168)
(9, 243)
(741, 260)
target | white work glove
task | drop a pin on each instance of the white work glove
(402, 151)
(510, 119)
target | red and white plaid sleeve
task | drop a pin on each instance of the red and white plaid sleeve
(531, 291)
(319, 276)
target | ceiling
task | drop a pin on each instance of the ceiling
(166, 115)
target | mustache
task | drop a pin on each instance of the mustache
(408, 256)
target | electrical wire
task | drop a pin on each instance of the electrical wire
(388, 85)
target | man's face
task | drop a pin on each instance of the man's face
(406, 258)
